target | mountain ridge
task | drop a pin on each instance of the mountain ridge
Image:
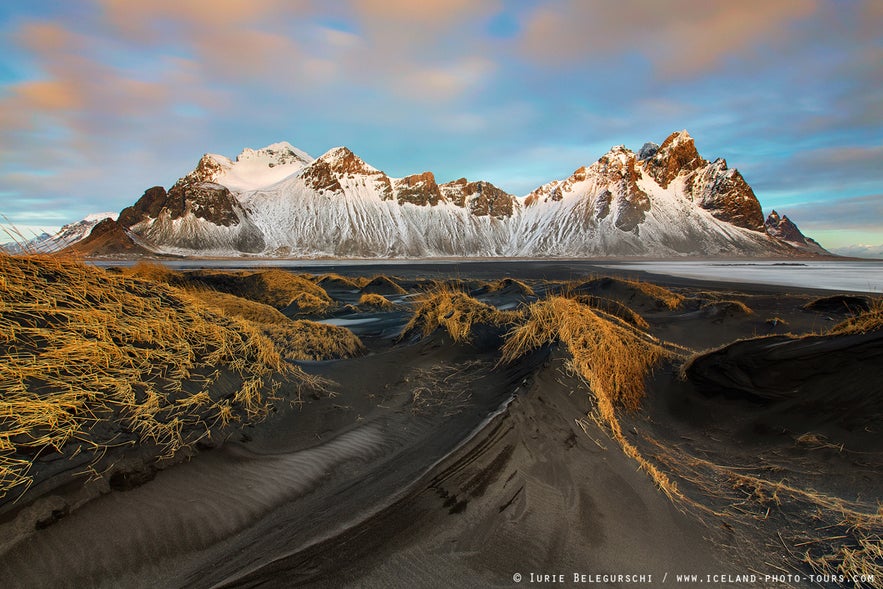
(666, 200)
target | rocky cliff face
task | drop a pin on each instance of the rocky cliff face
(677, 156)
(784, 229)
(713, 186)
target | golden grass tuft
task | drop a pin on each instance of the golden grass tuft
(614, 308)
(727, 306)
(865, 322)
(234, 306)
(613, 358)
(155, 272)
(622, 287)
(90, 359)
(295, 340)
(309, 340)
(280, 289)
(456, 312)
(376, 301)
(667, 298)
(776, 322)
(861, 557)
(336, 280)
(511, 283)
(277, 288)
(382, 285)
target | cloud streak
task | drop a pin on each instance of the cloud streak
(863, 213)
(681, 38)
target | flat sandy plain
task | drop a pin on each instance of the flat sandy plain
(430, 462)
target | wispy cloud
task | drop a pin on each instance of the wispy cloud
(864, 213)
(680, 37)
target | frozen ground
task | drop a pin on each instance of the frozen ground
(856, 276)
(838, 275)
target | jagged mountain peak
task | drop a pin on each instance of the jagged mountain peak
(675, 156)
(784, 229)
(342, 160)
(647, 150)
(252, 169)
(276, 154)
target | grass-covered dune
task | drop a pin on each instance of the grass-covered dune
(91, 361)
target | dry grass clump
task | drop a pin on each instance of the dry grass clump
(865, 322)
(309, 340)
(382, 285)
(280, 289)
(669, 299)
(832, 535)
(376, 301)
(611, 356)
(624, 288)
(456, 312)
(233, 306)
(154, 272)
(334, 280)
(511, 284)
(727, 306)
(614, 308)
(277, 288)
(295, 340)
(305, 303)
(89, 360)
(859, 561)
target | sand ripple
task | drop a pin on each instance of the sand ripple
(111, 541)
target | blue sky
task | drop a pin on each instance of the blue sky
(100, 99)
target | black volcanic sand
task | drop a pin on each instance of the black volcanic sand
(430, 464)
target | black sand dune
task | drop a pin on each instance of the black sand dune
(431, 463)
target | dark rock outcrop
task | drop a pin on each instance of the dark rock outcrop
(148, 206)
(675, 156)
(418, 189)
(107, 238)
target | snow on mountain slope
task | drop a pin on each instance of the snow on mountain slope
(341, 206)
(66, 236)
(666, 201)
(252, 169)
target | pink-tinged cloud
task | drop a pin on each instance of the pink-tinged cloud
(428, 13)
(146, 20)
(50, 95)
(444, 82)
(679, 37)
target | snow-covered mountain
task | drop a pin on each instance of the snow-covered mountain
(67, 236)
(664, 201)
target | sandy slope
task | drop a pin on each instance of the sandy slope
(432, 465)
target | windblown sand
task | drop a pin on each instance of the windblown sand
(636, 429)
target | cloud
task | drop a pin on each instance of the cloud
(860, 250)
(825, 169)
(680, 37)
(444, 82)
(151, 22)
(428, 13)
(862, 213)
